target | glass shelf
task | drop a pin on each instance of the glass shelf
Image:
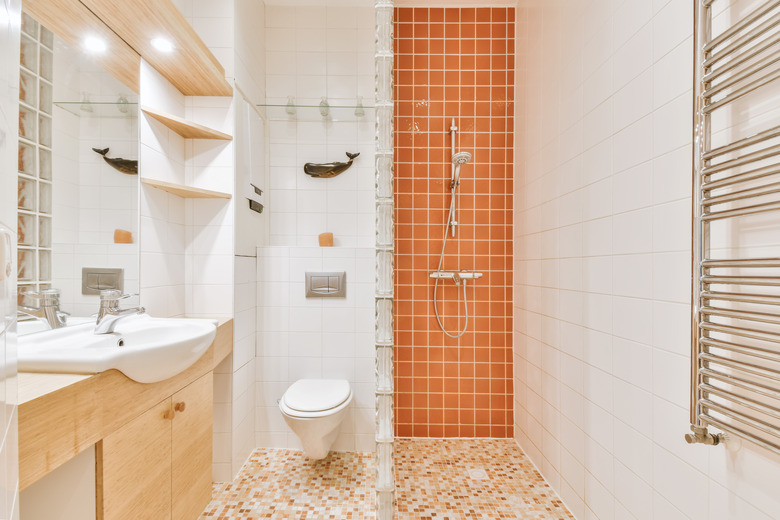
(107, 109)
(312, 113)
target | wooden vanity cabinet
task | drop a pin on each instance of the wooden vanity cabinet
(158, 466)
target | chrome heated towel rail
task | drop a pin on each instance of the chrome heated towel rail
(735, 378)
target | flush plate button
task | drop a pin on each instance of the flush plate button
(326, 284)
(96, 279)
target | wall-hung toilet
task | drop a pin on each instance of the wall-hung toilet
(314, 409)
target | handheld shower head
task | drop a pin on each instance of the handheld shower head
(459, 159)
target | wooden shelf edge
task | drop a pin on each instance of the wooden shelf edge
(184, 128)
(187, 192)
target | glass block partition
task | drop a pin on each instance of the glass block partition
(36, 65)
(385, 478)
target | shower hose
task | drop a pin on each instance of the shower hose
(463, 281)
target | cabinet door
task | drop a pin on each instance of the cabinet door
(192, 445)
(134, 468)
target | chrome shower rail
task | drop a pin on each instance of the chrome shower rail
(735, 365)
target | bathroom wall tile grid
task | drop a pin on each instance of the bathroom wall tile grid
(91, 199)
(471, 478)
(300, 338)
(318, 51)
(280, 484)
(603, 237)
(454, 63)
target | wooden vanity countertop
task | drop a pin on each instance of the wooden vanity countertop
(61, 415)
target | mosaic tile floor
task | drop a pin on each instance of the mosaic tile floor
(284, 484)
(456, 479)
(437, 479)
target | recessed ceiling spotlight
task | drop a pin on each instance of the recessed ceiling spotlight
(94, 44)
(163, 44)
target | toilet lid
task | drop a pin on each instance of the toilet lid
(314, 395)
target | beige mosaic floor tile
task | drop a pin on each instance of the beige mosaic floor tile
(284, 484)
(454, 479)
(437, 479)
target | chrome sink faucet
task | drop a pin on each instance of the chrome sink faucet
(49, 309)
(110, 313)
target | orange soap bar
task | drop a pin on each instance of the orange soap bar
(326, 239)
(122, 237)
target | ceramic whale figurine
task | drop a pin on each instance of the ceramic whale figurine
(123, 165)
(328, 170)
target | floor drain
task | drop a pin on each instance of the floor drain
(478, 474)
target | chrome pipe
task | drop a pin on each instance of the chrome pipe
(760, 299)
(739, 60)
(768, 281)
(742, 143)
(760, 317)
(745, 384)
(741, 212)
(739, 432)
(751, 35)
(734, 29)
(758, 424)
(742, 91)
(758, 155)
(758, 173)
(763, 281)
(742, 262)
(748, 350)
(748, 368)
(742, 75)
(743, 332)
(752, 404)
(700, 231)
(750, 193)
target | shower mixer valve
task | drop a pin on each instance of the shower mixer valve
(456, 276)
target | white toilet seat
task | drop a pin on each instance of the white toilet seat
(312, 398)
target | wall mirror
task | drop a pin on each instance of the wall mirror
(78, 182)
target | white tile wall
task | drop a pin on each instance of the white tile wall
(243, 375)
(10, 21)
(91, 199)
(602, 249)
(301, 337)
(314, 52)
(162, 237)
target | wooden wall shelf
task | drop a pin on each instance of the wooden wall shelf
(187, 192)
(184, 128)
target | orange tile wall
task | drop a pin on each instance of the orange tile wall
(454, 63)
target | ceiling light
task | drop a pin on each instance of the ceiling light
(163, 44)
(94, 44)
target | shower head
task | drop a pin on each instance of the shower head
(461, 158)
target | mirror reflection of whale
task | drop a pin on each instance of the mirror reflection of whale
(327, 170)
(123, 165)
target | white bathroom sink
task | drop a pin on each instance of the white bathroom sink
(31, 326)
(144, 348)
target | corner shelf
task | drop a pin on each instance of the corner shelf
(100, 109)
(186, 129)
(186, 192)
(309, 113)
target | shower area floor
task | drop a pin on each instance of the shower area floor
(471, 479)
(436, 479)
